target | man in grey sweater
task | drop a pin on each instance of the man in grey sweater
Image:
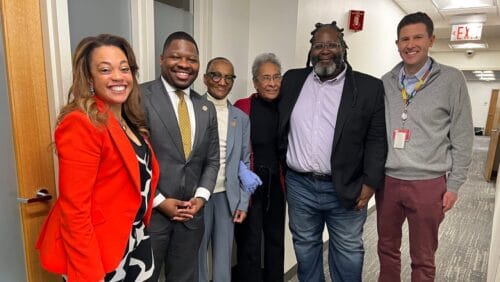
(430, 135)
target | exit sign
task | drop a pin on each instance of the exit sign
(470, 31)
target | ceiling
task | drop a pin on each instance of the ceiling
(442, 27)
(443, 18)
(474, 76)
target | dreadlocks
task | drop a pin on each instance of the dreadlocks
(340, 35)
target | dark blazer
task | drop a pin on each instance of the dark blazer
(87, 230)
(179, 178)
(359, 143)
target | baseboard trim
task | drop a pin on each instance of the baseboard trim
(292, 272)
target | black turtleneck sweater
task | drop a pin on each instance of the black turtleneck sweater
(264, 133)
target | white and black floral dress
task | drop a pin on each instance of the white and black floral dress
(137, 263)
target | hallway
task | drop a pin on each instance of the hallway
(464, 235)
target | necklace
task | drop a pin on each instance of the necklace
(123, 124)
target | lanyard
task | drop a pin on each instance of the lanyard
(407, 98)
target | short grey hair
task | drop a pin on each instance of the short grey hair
(262, 59)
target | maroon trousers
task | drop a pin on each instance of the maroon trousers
(421, 202)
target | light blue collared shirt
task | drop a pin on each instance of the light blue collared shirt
(409, 81)
(312, 124)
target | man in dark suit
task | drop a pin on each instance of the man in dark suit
(183, 128)
(332, 131)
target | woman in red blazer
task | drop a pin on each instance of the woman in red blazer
(107, 172)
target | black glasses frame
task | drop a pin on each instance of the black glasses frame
(217, 76)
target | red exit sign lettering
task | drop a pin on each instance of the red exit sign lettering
(470, 31)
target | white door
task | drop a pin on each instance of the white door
(12, 267)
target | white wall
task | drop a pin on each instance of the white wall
(371, 50)
(243, 29)
(480, 93)
(480, 60)
(240, 30)
(230, 39)
(272, 29)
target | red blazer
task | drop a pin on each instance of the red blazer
(86, 232)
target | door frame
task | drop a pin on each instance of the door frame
(491, 112)
(493, 155)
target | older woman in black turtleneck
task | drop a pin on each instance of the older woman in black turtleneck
(267, 206)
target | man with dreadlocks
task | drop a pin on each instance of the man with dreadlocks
(332, 134)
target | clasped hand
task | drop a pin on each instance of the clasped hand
(180, 210)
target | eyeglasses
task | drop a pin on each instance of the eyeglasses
(217, 76)
(269, 78)
(328, 45)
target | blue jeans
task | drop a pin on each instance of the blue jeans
(311, 204)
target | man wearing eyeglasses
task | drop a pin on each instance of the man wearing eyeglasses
(332, 131)
(228, 203)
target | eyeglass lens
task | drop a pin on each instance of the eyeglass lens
(268, 78)
(217, 76)
(328, 45)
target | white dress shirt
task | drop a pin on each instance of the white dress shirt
(201, 192)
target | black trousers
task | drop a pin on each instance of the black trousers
(266, 215)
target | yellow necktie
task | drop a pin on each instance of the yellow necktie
(184, 124)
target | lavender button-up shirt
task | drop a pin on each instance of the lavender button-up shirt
(312, 124)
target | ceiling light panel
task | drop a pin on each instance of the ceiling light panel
(462, 4)
(469, 45)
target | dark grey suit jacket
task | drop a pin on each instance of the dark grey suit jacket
(179, 178)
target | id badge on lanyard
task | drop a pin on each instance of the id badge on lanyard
(399, 137)
(402, 135)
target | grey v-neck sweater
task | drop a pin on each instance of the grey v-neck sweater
(440, 124)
